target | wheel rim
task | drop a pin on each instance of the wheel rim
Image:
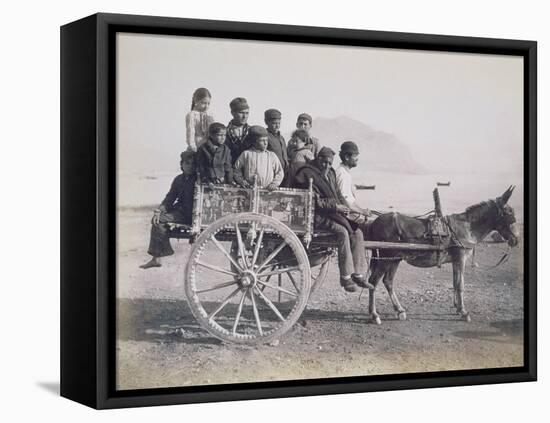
(252, 295)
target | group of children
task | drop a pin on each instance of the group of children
(240, 153)
(233, 154)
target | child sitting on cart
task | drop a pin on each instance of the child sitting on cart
(214, 157)
(177, 207)
(305, 122)
(258, 164)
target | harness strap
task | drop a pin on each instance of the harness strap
(503, 259)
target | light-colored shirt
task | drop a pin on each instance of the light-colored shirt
(345, 183)
(197, 124)
(265, 165)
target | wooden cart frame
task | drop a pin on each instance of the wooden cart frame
(256, 259)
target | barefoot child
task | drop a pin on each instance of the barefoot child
(177, 207)
(198, 120)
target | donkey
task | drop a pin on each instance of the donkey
(465, 231)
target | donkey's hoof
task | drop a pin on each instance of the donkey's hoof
(466, 317)
(376, 319)
(402, 315)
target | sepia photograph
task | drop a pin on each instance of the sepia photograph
(290, 211)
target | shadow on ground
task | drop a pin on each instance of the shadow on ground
(51, 387)
(507, 332)
(172, 320)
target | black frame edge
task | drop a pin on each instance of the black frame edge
(394, 383)
(78, 212)
(99, 394)
(530, 201)
(315, 34)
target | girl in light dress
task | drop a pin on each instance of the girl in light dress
(198, 120)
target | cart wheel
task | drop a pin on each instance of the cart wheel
(257, 296)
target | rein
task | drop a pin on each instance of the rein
(503, 259)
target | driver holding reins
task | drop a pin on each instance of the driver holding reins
(331, 213)
(349, 155)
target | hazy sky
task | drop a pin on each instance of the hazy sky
(459, 112)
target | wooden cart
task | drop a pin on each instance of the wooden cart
(255, 260)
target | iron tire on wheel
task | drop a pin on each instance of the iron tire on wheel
(246, 287)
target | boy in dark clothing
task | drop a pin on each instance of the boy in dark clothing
(276, 142)
(300, 154)
(237, 129)
(214, 157)
(177, 207)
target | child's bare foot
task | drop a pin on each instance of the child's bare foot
(154, 262)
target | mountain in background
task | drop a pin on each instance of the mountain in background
(379, 150)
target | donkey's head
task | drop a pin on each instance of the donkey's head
(506, 219)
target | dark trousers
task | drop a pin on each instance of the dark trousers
(159, 244)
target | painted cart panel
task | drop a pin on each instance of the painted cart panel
(293, 207)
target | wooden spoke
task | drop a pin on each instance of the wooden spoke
(272, 255)
(226, 254)
(215, 268)
(268, 278)
(239, 311)
(257, 249)
(278, 288)
(266, 252)
(223, 304)
(219, 286)
(279, 283)
(241, 245)
(293, 281)
(279, 271)
(256, 313)
(270, 304)
(283, 262)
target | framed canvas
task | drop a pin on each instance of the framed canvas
(259, 211)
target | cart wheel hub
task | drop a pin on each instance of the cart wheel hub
(247, 280)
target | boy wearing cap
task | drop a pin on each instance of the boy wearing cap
(305, 122)
(275, 141)
(258, 163)
(214, 157)
(349, 155)
(331, 213)
(177, 207)
(300, 155)
(237, 129)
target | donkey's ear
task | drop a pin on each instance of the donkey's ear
(503, 199)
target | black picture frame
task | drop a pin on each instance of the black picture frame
(88, 209)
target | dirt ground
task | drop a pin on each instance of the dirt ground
(159, 344)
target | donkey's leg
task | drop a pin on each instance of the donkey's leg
(456, 277)
(378, 271)
(388, 283)
(459, 264)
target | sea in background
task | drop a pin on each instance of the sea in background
(402, 192)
